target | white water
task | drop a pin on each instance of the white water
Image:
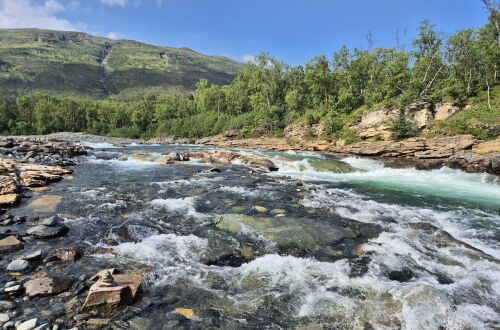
(319, 288)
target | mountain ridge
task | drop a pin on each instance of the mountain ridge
(67, 62)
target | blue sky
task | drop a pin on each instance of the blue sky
(291, 30)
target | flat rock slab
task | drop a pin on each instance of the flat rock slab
(66, 254)
(44, 231)
(47, 203)
(9, 244)
(46, 286)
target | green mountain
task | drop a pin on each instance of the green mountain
(74, 63)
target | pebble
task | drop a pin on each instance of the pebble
(9, 325)
(35, 255)
(13, 289)
(18, 265)
(11, 283)
(51, 221)
(27, 325)
(4, 317)
(6, 305)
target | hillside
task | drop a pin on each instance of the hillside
(74, 63)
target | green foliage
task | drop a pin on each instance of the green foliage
(403, 128)
(148, 86)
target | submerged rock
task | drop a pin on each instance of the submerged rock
(18, 266)
(43, 231)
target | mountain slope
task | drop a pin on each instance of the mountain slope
(80, 64)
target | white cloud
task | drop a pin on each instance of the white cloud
(121, 3)
(33, 14)
(248, 58)
(112, 35)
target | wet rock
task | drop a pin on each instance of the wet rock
(28, 325)
(98, 323)
(186, 312)
(14, 290)
(4, 317)
(260, 209)
(359, 266)
(18, 266)
(121, 291)
(45, 203)
(403, 275)
(46, 286)
(9, 325)
(10, 244)
(230, 260)
(43, 231)
(7, 305)
(32, 256)
(66, 254)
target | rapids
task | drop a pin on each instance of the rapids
(342, 243)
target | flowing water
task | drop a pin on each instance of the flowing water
(343, 243)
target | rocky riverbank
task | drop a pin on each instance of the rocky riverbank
(460, 152)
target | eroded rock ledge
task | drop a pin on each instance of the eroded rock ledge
(461, 152)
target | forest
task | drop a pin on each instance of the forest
(267, 94)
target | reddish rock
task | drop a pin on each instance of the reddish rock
(66, 254)
(9, 244)
(46, 286)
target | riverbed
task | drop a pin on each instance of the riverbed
(325, 242)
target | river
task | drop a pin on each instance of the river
(325, 242)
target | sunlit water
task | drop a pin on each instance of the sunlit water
(296, 268)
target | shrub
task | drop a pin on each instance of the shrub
(403, 128)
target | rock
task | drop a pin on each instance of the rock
(103, 273)
(9, 325)
(122, 292)
(43, 231)
(66, 254)
(220, 157)
(186, 312)
(9, 244)
(7, 305)
(14, 290)
(487, 147)
(27, 325)
(4, 318)
(98, 323)
(46, 203)
(18, 266)
(32, 256)
(444, 110)
(402, 275)
(46, 286)
(51, 221)
(260, 209)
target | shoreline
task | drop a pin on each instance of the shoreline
(462, 152)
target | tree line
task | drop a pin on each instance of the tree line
(268, 94)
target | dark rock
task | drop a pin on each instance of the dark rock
(402, 275)
(231, 260)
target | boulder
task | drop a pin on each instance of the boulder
(9, 244)
(487, 147)
(46, 286)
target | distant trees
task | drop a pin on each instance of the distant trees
(268, 94)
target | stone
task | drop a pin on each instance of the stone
(9, 244)
(98, 323)
(122, 292)
(9, 325)
(18, 266)
(46, 203)
(13, 290)
(7, 305)
(4, 317)
(487, 147)
(66, 254)
(32, 256)
(27, 325)
(186, 312)
(104, 272)
(43, 231)
(51, 221)
(46, 286)
(260, 209)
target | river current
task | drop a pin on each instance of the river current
(326, 242)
